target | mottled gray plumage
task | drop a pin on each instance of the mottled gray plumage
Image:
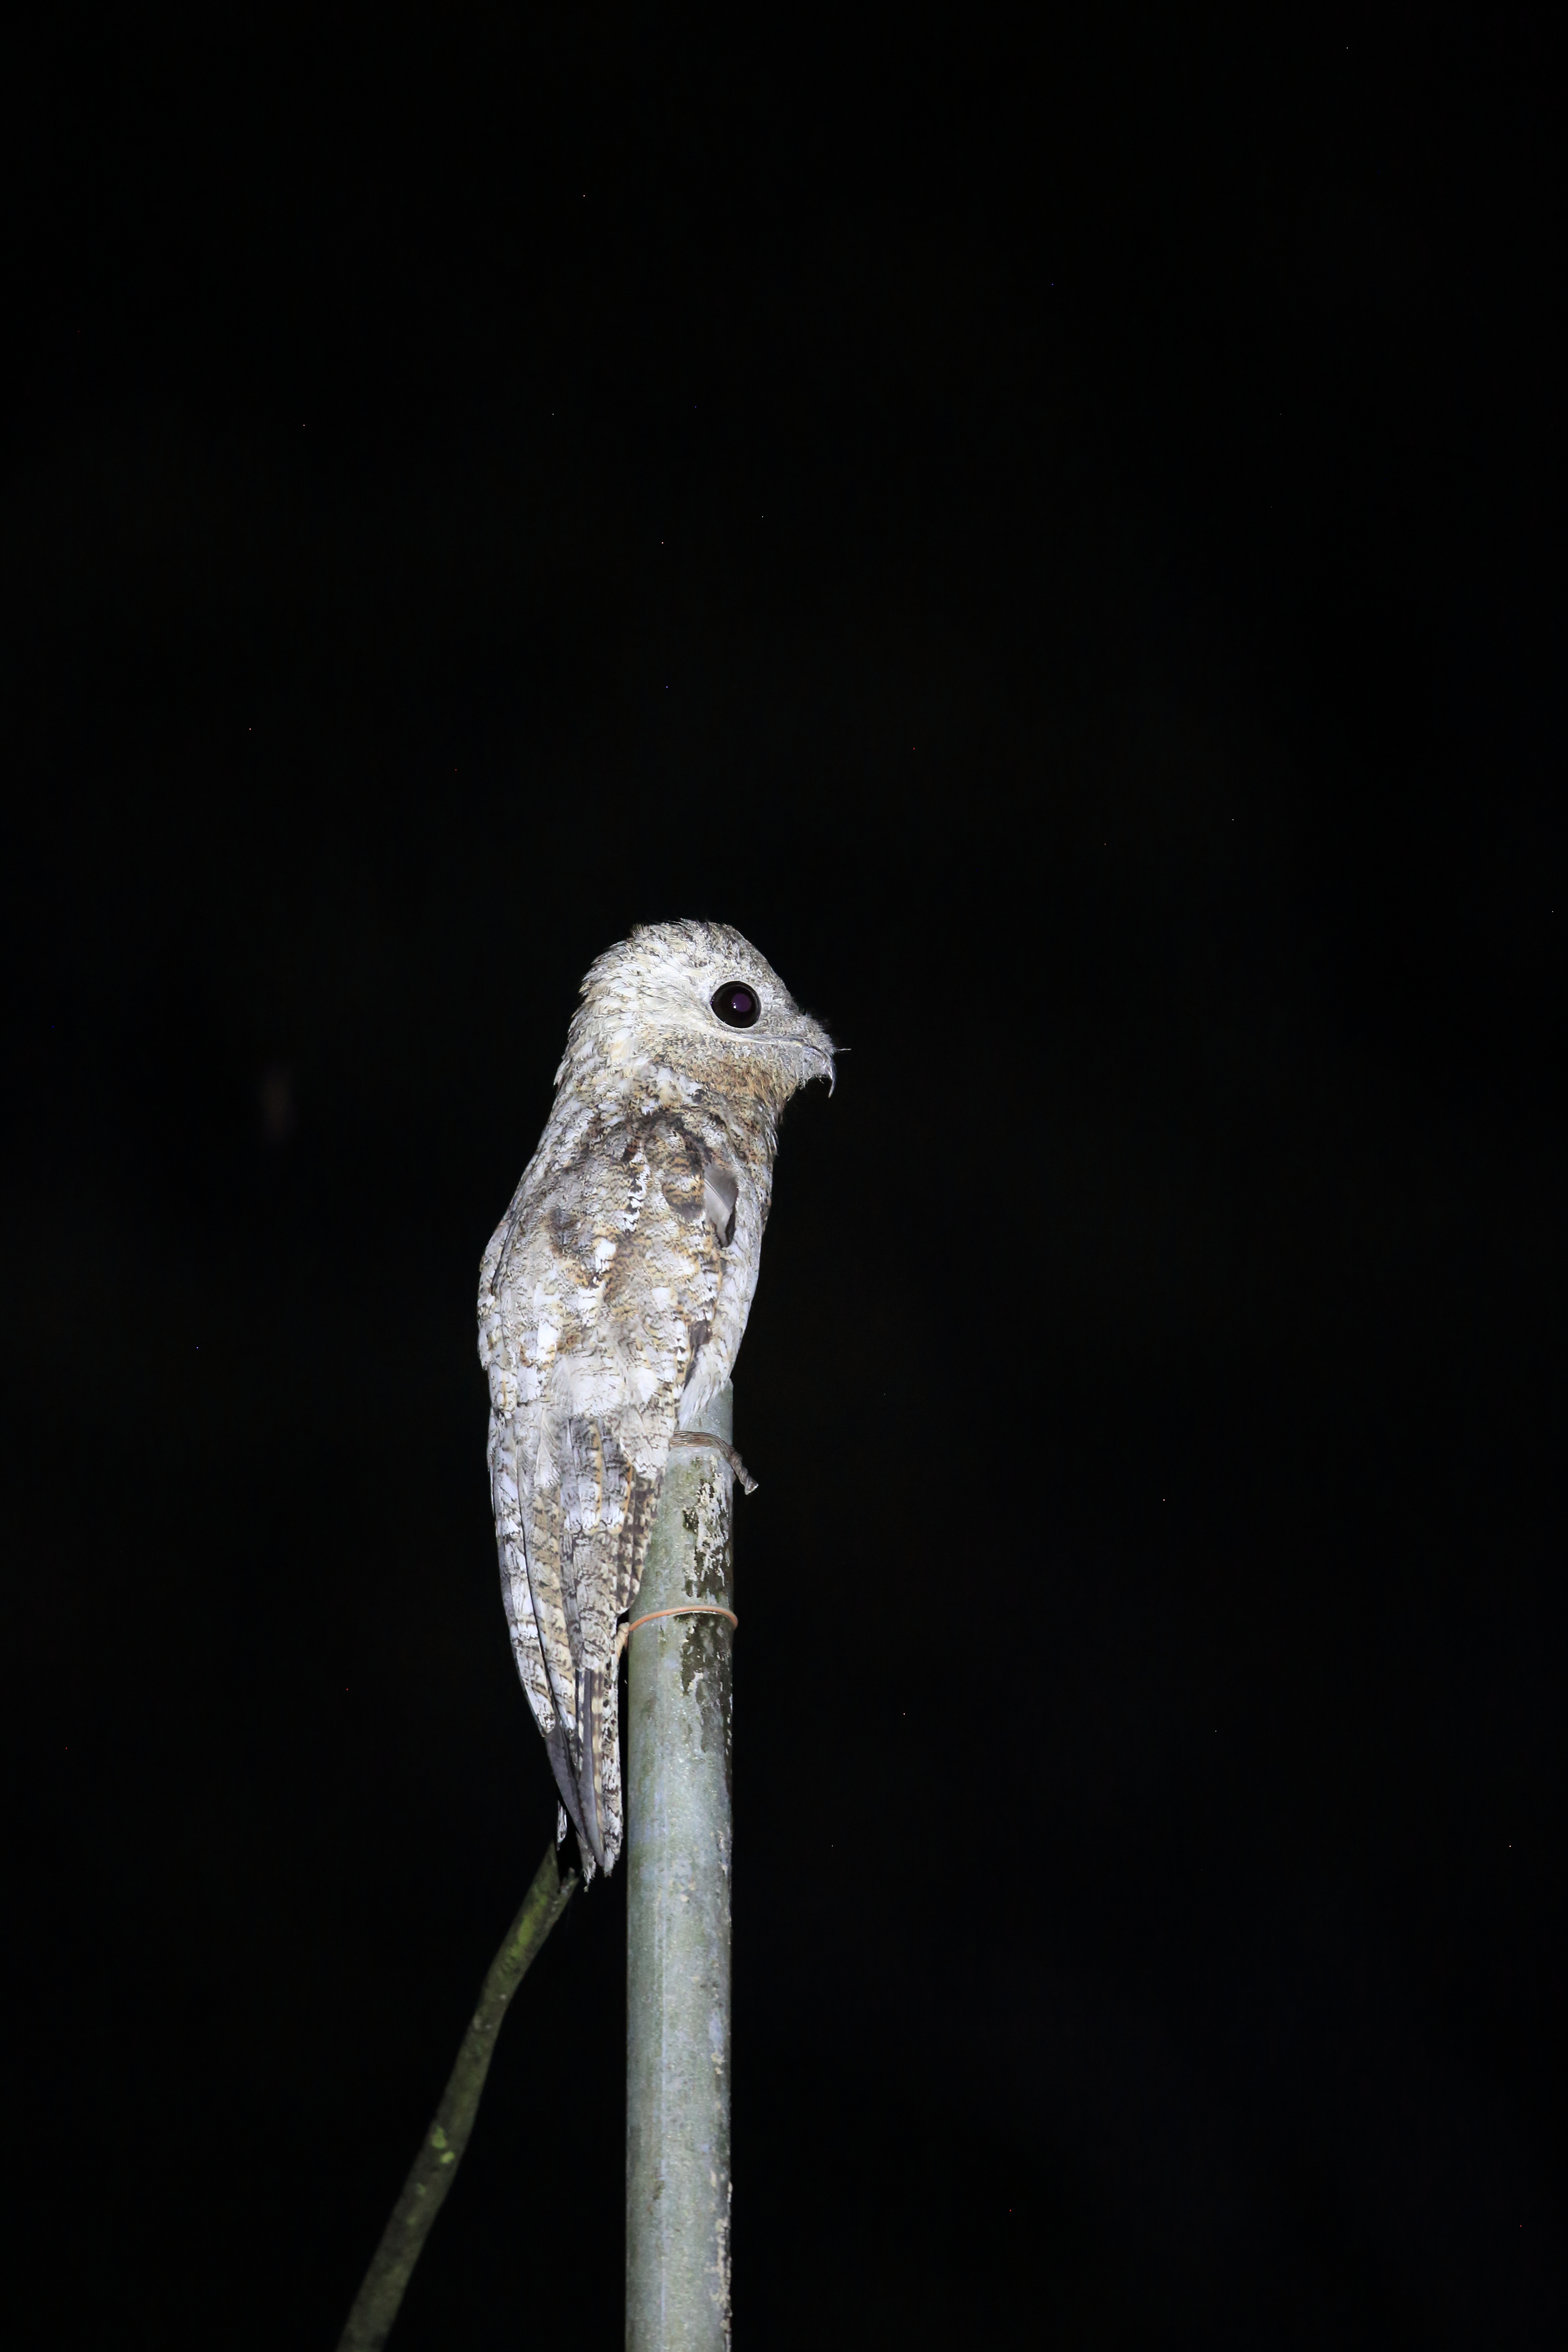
(612, 1299)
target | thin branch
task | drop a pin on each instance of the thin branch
(435, 2167)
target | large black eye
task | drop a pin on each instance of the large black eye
(735, 1004)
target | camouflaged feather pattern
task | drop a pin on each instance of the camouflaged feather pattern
(612, 1299)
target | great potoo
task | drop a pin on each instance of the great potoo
(612, 1299)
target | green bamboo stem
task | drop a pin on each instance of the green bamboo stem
(677, 1915)
(435, 2167)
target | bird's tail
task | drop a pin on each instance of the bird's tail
(599, 1809)
(588, 1769)
(559, 1746)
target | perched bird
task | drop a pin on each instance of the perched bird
(612, 1299)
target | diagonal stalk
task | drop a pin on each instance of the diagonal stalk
(435, 2167)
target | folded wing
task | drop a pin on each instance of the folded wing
(599, 1294)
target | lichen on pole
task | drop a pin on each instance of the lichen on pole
(678, 1900)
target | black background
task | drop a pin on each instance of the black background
(1061, 544)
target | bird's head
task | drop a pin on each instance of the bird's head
(697, 999)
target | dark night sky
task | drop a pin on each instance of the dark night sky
(1063, 548)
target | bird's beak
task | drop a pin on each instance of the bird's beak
(815, 1039)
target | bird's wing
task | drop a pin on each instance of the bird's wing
(606, 1299)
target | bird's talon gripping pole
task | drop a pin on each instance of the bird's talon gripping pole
(704, 1441)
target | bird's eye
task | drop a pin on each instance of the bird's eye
(735, 1004)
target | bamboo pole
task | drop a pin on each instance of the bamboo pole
(677, 1907)
(435, 2167)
